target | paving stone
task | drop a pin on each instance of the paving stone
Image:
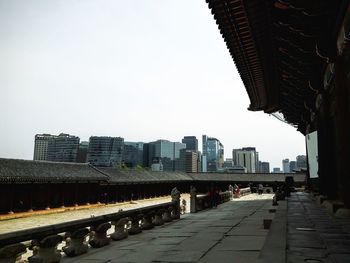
(230, 257)
(241, 243)
(340, 258)
(179, 256)
(248, 231)
(312, 252)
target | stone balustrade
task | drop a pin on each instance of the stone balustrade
(81, 234)
(200, 202)
(245, 191)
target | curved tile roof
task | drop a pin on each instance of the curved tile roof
(134, 176)
(42, 171)
(12, 170)
(257, 177)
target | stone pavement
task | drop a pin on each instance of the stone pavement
(313, 234)
(233, 232)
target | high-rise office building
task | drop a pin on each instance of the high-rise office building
(63, 148)
(167, 152)
(285, 165)
(214, 152)
(133, 154)
(292, 166)
(41, 145)
(264, 167)
(246, 157)
(56, 148)
(105, 151)
(301, 162)
(228, 163)
(191, 143)
(188, 161)
(276, 170)
(82, 152)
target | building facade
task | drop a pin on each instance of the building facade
(285, 165)
(167, 152)
(292, 166)
(264, 167)
(133, 154)
(191, 143)
(105, 151)
(82, 152)
(214, 152)
(276, 170)
(246, 157)
(41, 145)
(56, 148)
(301, 162)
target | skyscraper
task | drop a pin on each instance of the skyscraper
(292, 166)
(82, 152)
(167, 152)
(41, 145)
(191, 143)
(105, 151)
(264, 167)
(214, 152)
(285, 165)
(301, 162)
(63, 148)
(133, 153)
(246, 157)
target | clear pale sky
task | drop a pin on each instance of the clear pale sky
(142, 69)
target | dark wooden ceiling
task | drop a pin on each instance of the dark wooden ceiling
(281, 49)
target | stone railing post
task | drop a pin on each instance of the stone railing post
(175, 197)
(167, 214)
(12, 253)
(45, 250)
(76, 243)
(199, 204)
(193, 199)
(120, 229)
(135, 225)
(99, 236)
(158, 218)
(147, 220)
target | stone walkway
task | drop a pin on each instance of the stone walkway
(313, 234)
(233, 232)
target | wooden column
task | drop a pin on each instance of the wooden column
(326, 150)
(31, 197)
(342, 119)
(62, 193)
(75, 193)
(88, 193)
(48, 197)
(11, 197)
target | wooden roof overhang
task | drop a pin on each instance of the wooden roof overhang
(281, 49)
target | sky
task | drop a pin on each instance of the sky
(142, 69)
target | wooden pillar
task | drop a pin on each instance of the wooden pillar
(326, 150)
(31, 197)
(62, 195)
(12, 190)
(342, 119)
(75, 194)
(88, 193)
(48, 196)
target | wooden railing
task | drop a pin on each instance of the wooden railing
(81, 234)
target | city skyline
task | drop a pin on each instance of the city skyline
(80, 68)
(199, 142)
